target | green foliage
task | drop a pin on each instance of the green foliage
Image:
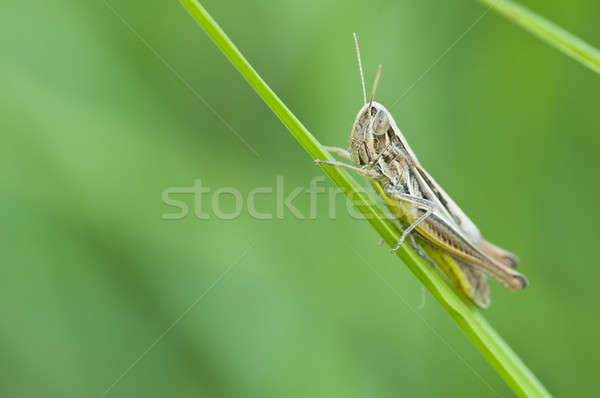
(549, 32)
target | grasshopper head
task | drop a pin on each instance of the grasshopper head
(372, 122)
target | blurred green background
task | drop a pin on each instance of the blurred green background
(95, 127)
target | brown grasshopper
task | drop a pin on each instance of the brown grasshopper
(379, 151)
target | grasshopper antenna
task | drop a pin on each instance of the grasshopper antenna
(375, 85)
(360, 68)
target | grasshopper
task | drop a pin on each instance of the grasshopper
(379, 151)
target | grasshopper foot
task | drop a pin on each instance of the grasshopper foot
(400, 242)
(395, 249)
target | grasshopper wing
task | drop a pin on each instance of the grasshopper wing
(476, 286)
(499, 254)
(470, 280)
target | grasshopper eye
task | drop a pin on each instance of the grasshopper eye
(381, 124)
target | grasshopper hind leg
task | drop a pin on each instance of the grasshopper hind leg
(420, 252)
(416, 201)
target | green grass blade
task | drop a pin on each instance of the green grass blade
(490, 344)
(549, 32)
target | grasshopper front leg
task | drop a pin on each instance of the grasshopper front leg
(341, 152)
(361, 171)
